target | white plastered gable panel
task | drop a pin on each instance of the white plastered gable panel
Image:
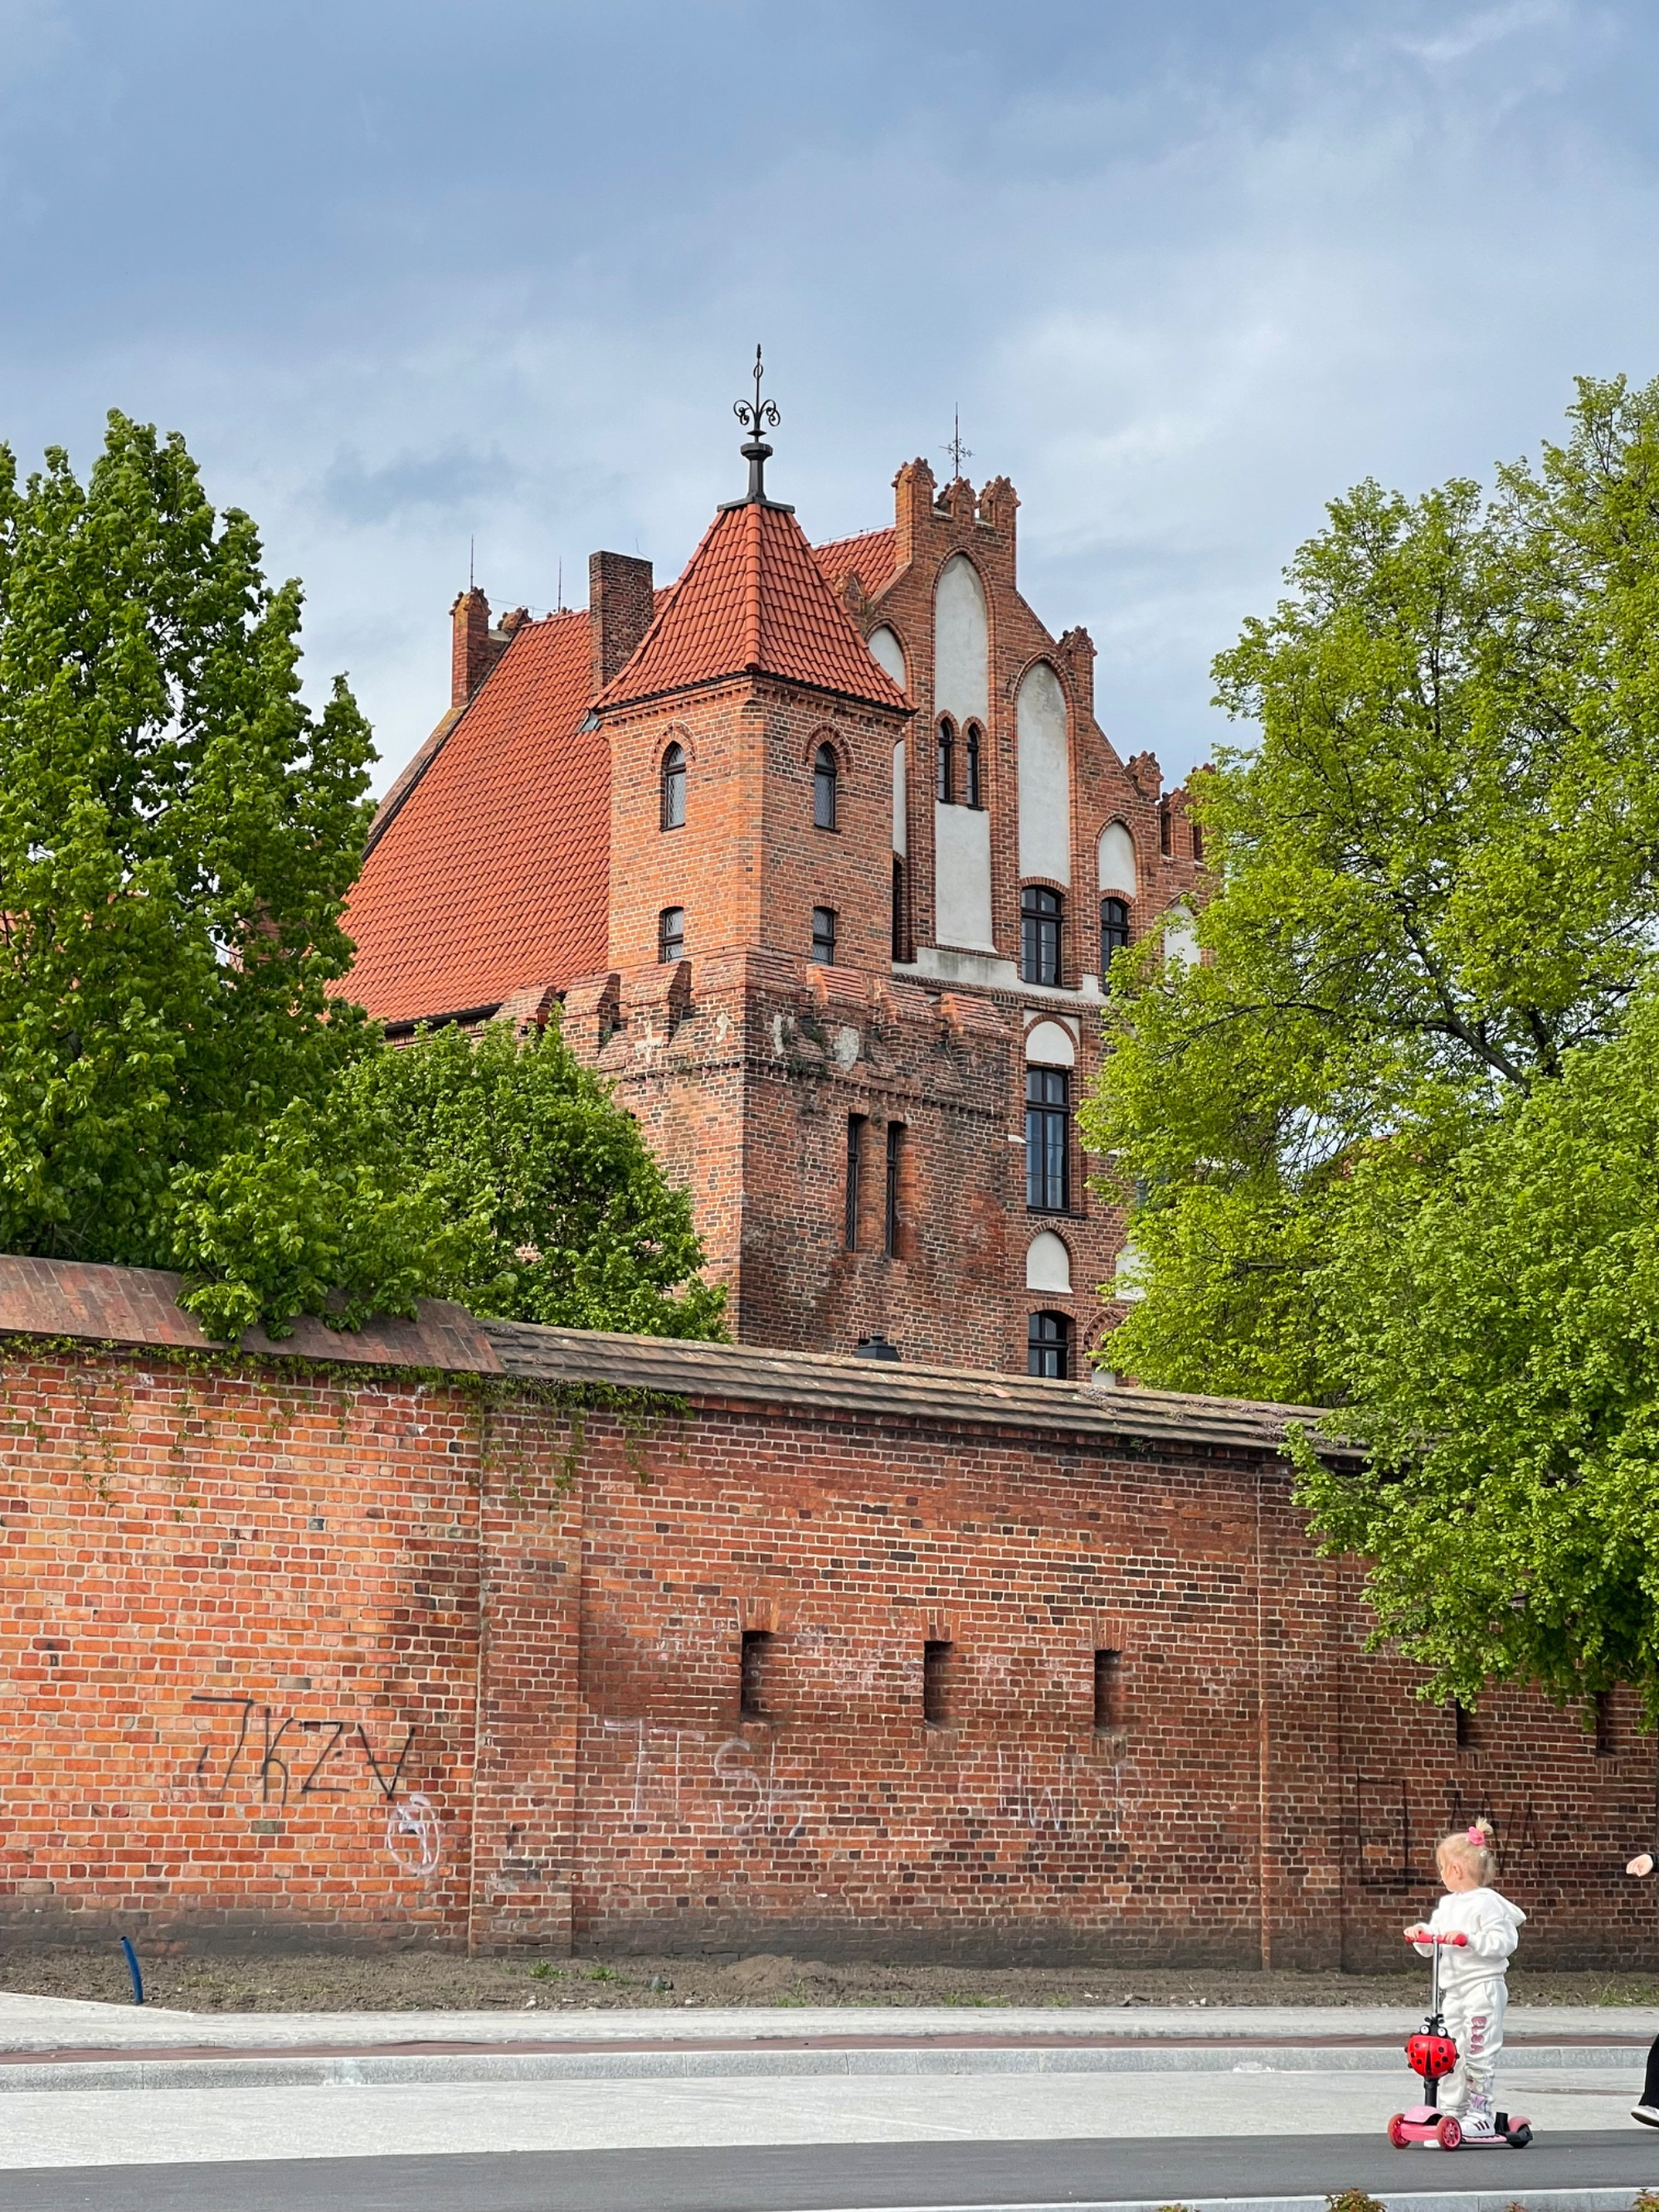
(889, 654)
(1045, 777)
(1117, 861)
(1050, 1044)
(961, 835)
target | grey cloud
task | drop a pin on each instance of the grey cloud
(453, 478)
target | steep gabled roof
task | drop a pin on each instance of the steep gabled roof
(753, 601)
(873, 556)
(493, 876)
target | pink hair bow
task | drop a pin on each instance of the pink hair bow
(1477, 1835)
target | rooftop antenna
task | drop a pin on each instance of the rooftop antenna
(559, 605)
(757, 417)
(956, 449)
(472, 548)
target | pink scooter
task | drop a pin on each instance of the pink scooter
(1433, 2054)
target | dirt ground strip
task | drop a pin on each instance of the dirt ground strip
(426, 1980)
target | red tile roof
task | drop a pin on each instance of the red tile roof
(872, 555)
(492, 875)
(753, 600)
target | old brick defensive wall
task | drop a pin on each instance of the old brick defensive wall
(492, 1635)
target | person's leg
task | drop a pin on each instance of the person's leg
(1483, 2013)
(1648, 2110)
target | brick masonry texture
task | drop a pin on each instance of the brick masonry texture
(521, 863)
(370, 1657)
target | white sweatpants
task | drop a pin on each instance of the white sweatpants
(1473, 2013)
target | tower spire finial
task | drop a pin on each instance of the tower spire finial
(957, 452)
(757, 417)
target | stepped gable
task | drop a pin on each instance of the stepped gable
(753, 601)
(492, 877)
(871, 557)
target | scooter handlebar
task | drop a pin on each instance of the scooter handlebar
(1459, 1938)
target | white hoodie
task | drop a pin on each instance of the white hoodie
(1493, 1927)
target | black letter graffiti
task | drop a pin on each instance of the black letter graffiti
(208, 1698)
(328, 1790)
(388, 1789)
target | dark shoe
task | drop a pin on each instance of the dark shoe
(1648, 2115)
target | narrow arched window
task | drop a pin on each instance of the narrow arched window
(972, 791)
(1114, 933)
(1039, 935)
(824, 788)
(1049, 1346)
(945, 752)
(673, 788)
(898, 908)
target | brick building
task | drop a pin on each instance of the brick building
(824, 853)
(359, 1639)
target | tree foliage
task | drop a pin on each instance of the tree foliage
(183, 1083)
(1423, 1016)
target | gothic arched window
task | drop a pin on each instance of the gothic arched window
(944, 751)
(824, 788)
(673, 788)
(1114, 932)
(974, 793)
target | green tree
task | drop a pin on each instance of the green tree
(1361, 1138)
(556, 1209)
(177, 833)
(181, 1082)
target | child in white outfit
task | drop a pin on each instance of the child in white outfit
(1472, 1985)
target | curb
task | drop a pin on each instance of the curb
(368, 2070)
(1457, 2200)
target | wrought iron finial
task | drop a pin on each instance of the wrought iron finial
(958, 452)
(757, 417)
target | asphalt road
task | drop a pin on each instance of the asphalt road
(831, 2178)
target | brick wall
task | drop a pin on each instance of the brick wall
(337, 1656)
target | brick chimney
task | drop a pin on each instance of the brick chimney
(470, 658)
(619, 611)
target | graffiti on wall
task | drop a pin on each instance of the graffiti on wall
(284, 1758)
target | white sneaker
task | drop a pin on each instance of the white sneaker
(1648, 2115)
(1477, 2121)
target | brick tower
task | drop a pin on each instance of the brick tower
(824, 853)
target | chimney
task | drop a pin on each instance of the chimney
(619, 611)
(470, 656)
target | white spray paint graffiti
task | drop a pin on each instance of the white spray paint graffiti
(414, 1834)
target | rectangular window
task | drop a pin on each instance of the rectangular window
(936, 1685)
(1048, 1141)
(1039, 935)
(670, 933)
(824, 936)
(895, 1162)
(751, 1701)
(1165, 831)
(856, 1126)
(1463, 1726)
(1048, 1346)
(1108, 1712)
(898, 908)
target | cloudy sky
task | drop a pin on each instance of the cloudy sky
(408, 275)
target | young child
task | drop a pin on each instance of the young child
(1473, 1988)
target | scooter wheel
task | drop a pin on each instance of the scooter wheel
(1519, 2137)
(1448, 2134)
(1397, 2135)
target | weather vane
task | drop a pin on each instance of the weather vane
(956, 449)
(757, 417)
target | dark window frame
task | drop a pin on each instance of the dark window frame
(1049, 1346)
(1048, 1139)
(944, 747)
(671, 781)
(671, 934)
(1114, 930)
(1041, 935)
(826, 779)
(973, 764)
(898, 907)
(824, 920)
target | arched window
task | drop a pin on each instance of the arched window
(973, 792)
(824, 788)
(945, 751)
(670, 933)
(1049, 1346)
(1114, 933)
(673, 788)
(1039, 934)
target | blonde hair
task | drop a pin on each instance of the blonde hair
(1472, 1847)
